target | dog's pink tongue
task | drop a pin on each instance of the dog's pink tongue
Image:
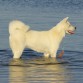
(61, 54)
(71, 32)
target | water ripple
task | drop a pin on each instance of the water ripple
(35, 69)
(69, 4)
(32, 57)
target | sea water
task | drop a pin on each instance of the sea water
(42, 15)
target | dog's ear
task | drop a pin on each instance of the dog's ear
(65, 19)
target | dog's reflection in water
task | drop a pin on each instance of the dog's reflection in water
(44, 70)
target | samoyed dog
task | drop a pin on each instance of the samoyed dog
(47, 42)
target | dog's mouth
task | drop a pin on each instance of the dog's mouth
(71, 32)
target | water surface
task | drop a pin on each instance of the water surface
(33, 68)
(42, 15)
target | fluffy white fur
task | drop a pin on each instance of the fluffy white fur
(46, 42)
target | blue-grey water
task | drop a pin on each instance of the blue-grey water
(42, 15)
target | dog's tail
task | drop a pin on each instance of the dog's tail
(17, 26)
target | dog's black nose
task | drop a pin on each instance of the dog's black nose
(75, 27)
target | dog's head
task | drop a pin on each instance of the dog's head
(66, 26)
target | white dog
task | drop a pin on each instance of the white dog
(46, 42)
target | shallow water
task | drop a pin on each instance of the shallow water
(42, 15)
(33, 68)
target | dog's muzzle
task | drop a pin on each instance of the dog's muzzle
(72, 31)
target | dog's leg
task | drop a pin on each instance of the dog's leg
(46, 55)
(17, 48)
(17, 53)
(61, 54)
(53, 54)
